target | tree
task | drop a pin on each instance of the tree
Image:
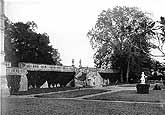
(162, 27)
(158, 35)
(23, 44)
(56, 57)
(119, 36)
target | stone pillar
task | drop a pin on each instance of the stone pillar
(2, 18)
(4, 88)
(2, 53)
(24, 80)
(23, 83)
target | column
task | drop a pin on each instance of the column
(23, 83)
(4, 88)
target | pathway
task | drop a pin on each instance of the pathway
(110, 89)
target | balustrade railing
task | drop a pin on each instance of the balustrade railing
(23, 67)
(45, 67)
(15, 71)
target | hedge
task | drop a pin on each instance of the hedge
(13, 83)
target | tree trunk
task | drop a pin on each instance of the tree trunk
(128, 70)
(121, 76)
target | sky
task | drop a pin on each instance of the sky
(67, 22)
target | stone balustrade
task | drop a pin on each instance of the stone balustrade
(23, 69)
(15, 71)
(45, 67)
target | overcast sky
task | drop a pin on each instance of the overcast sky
(68, 21)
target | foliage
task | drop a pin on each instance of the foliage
(13, 83)
(24, 44)
(120, 38)
(158, 31)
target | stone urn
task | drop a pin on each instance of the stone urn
(142, 88)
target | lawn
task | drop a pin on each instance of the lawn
(72, 94)
(127, 85)
(134, 85)
(44, 90)
(131, 95)
(44, 106)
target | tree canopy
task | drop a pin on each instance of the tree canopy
(24, 44)
(158, 31)
(121, 38)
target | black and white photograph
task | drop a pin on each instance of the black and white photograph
(82, 57)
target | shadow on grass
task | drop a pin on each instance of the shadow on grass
(72, 94)
(131, 95)
(43, 90)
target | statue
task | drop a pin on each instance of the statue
(143, 80)
(142, 87)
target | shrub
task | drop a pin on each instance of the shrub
(157, 87)
(13, 82)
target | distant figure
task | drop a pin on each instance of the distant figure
(143, 80)
(72, 62)
(80, 63)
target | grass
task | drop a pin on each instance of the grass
(53, 106)
(127, 85)
(44, 106)
(71, 94)
(131, 95)
(43, 90)
(134, 85)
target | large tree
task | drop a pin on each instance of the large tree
(119, 36)
(24, 44)
(158, 41)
